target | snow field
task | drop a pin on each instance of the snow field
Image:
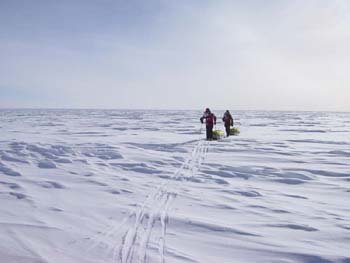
(143, 186)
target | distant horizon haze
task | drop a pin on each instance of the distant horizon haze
(171, 109)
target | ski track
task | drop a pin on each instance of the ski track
(155, 210)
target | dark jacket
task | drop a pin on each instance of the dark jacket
(227, 119)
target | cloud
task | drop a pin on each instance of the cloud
(181, 54)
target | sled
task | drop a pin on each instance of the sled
(217, 134)
(234, 131)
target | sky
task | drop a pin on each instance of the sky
(175, 54)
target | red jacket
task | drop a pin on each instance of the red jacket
(210, 119)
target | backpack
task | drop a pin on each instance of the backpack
(227, 119)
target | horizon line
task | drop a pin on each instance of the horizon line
(162, 109)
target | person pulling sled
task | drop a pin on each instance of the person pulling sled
(228, 122)
(210, 121)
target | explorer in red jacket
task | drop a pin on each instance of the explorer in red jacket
(210, 121)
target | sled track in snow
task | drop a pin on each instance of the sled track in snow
(154, 211)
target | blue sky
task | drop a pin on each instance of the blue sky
(272, 55)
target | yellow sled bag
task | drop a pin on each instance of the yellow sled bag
(234, 131)
(217, 134)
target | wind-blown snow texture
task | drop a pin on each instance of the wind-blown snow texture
(143, 186)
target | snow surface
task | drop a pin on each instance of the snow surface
(143, 186)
